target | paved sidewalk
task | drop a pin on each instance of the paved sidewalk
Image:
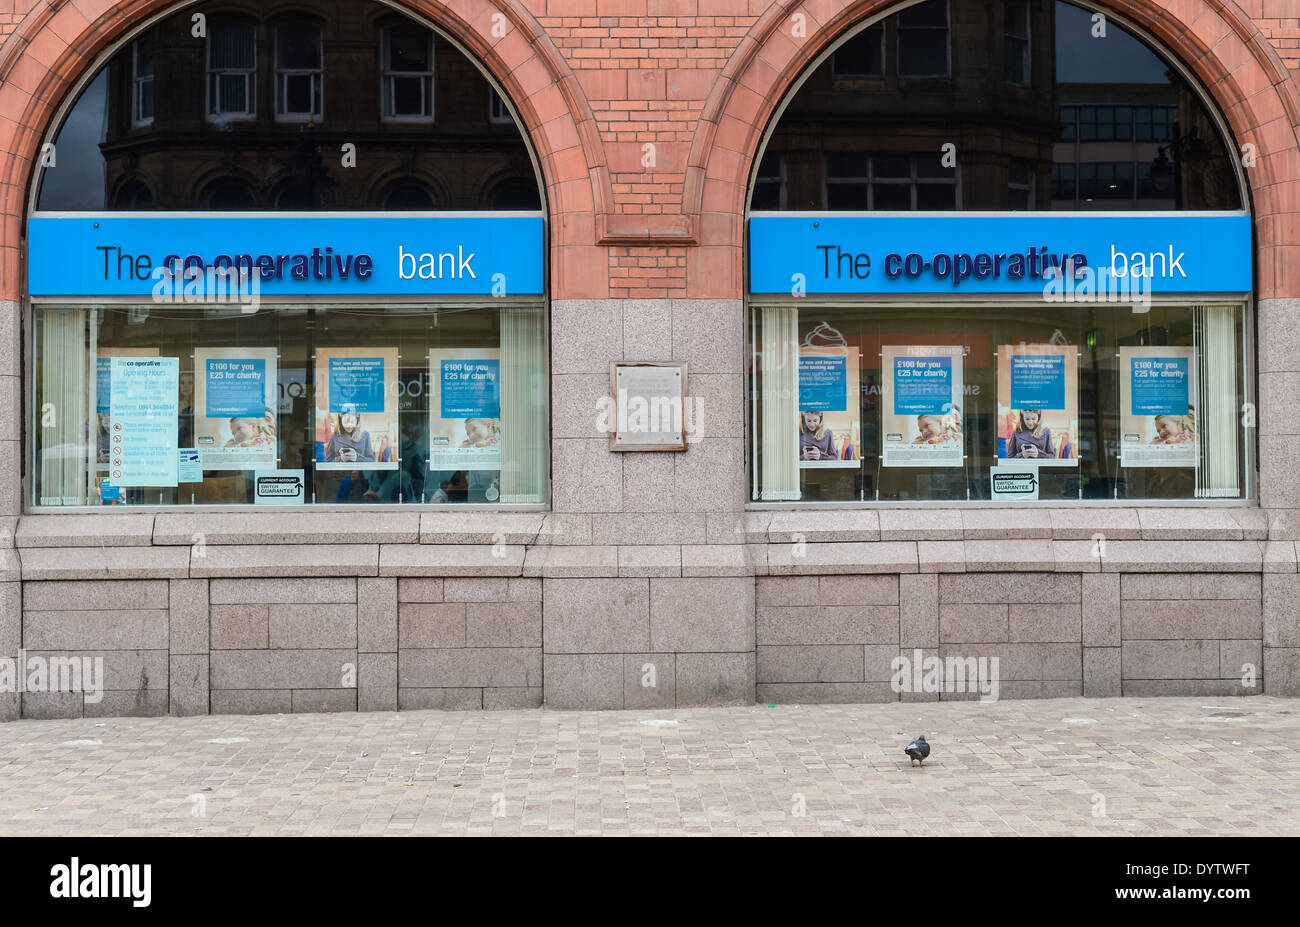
(1063, 766)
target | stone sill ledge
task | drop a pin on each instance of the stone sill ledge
(368, 526)
(661, 560)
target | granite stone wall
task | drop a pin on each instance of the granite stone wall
(272, 612)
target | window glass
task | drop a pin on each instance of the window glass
(394, 439)
(299, 79)
(232, 62)
(1087, 451)
(863, 55)
(1015, 19)
(138, 119)
(1110, 99)
(923, 40)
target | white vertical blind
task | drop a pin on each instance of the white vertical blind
(64, 418)
(1219, 474)
(777, 367)
(523, 406)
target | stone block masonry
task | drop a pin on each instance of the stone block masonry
(620, 624)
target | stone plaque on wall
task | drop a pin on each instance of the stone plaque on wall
(648, 410)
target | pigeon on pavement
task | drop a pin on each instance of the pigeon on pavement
(918, 750)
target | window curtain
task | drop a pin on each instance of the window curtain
(1217, 411)
(523, 406)
(64, 417)
(776, 366)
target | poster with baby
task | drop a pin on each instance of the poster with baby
(1038, 404)
(830, 408)
(1157, 407)
(356, 409)
(234, 408)
(465, 409)
(921, 411)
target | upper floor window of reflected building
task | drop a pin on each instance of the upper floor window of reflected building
(856, 181)
(299, 78)
(1015, 28)
(232, 71)
(141, 83)
(498, 112)
(407, 63)
(863, 55)
(769, 185)
(923, 48)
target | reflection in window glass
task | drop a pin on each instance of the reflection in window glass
(232, 69)
(923, 40)
(136, 118)
(863, 55)
(298, 74)
(1113, 99)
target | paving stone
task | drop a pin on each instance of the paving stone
(1027, 767)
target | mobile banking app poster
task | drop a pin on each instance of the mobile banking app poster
(1157, 407)
(465, 409)
(830, 408)
(356, 409)
(235, 407)
(921, 414)
(1038, 404)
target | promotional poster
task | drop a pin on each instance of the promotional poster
(356, 409)
(465, 409)
(830, 416)
(1038, 404)
(234, 407)
(921, 414)
(1157, 407)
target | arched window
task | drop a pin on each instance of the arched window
(409, 195)
(134, 195)
(230, 195)
(998, 252)
(301, 355)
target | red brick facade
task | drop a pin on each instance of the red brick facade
(597, 81)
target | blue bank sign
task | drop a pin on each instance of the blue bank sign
(974, 253)
(317, 254)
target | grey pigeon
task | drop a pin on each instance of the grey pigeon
(918, 750)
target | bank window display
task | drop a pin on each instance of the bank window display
(247, 318)
(919, 403)
(1036, 294)
(400, 403)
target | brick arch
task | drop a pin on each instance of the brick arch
(59, 39)
(1214, 39)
